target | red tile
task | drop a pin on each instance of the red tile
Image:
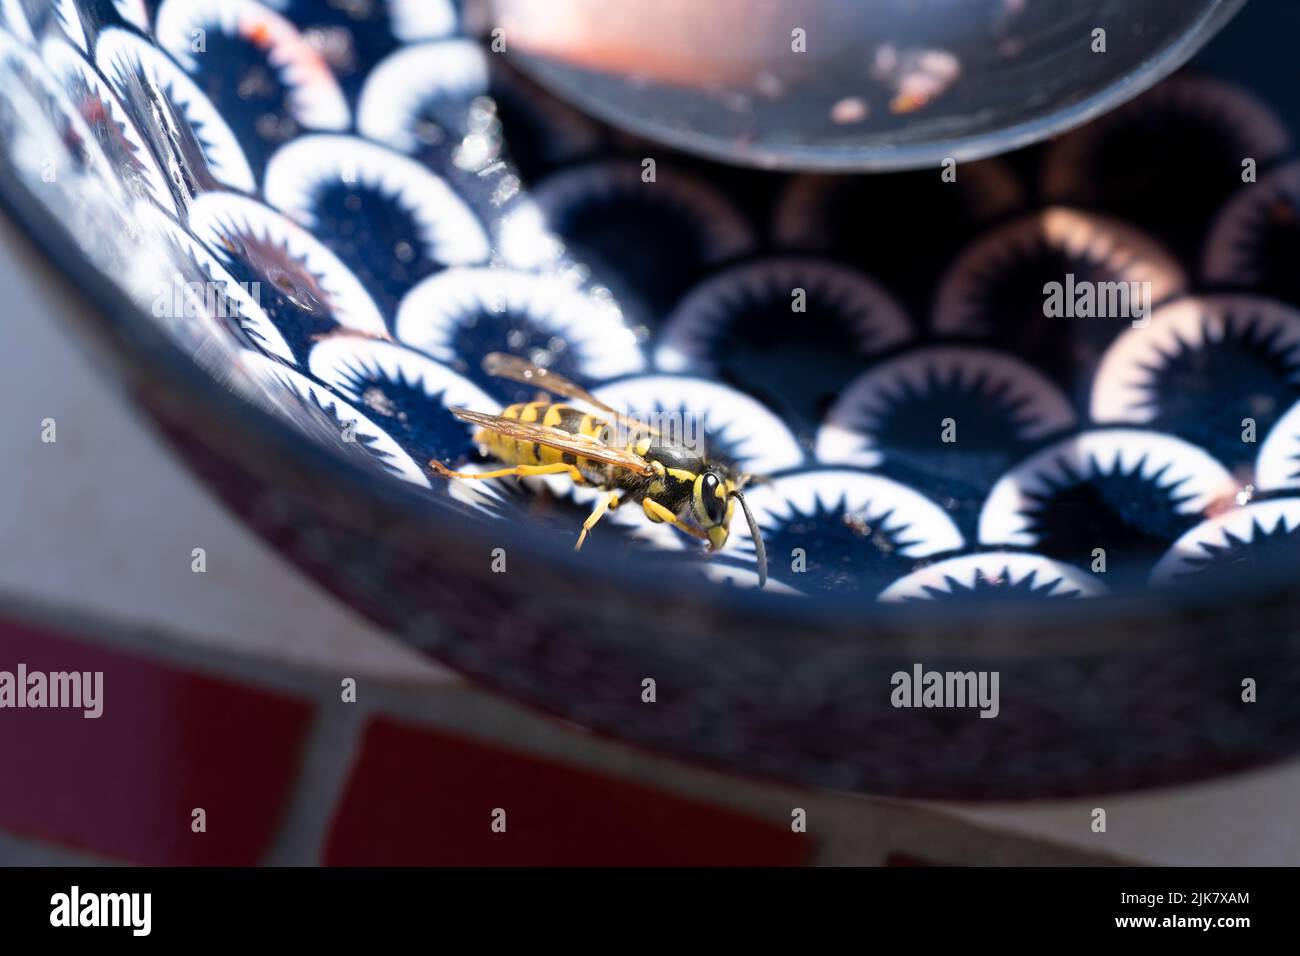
(124, 785)
(418, 797)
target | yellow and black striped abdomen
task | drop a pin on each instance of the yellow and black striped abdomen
(565, 418)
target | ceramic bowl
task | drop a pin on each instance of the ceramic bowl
(298, 226)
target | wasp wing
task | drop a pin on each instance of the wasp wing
(581, 446)
(501, 365)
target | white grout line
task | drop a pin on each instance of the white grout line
(22, 851)
(327, 760)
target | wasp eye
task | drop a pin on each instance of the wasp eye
(711, 502)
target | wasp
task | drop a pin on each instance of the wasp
(627, 460)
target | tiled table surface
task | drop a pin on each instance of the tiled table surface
(226, 696)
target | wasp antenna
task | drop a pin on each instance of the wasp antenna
(760, 552)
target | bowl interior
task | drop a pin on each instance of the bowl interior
(1067, 372)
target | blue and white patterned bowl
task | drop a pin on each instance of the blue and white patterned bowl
(300, 225)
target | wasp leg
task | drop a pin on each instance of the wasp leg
(517, 471)
(657, 513)
(607, 502)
